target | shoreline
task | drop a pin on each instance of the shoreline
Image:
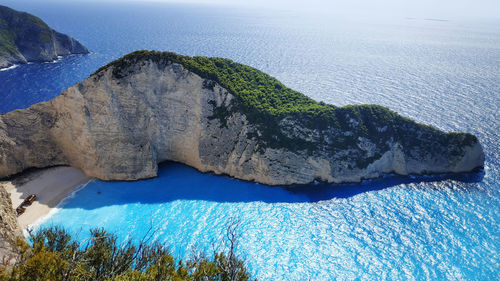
(58, 59)
(43, 218)
(52, 186)
(9, 67)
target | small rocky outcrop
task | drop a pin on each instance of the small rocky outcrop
(150, 107)
(26, 38)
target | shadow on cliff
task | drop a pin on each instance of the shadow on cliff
(180, 182)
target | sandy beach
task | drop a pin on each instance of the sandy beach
(50, 185)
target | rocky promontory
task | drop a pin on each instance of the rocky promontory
(222, 117)
(26, 38)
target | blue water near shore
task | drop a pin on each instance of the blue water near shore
(441, 73)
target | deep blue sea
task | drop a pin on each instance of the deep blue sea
(441, 73)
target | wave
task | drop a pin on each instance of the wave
(10, 67)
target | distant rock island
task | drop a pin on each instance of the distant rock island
(26, 38)
(222, 117)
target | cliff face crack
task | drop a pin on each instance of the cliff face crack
(217, 116)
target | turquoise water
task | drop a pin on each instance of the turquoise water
(445, 74)
(318, 232)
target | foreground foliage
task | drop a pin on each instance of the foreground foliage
(55, 255)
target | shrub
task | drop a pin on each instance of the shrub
(55, 255)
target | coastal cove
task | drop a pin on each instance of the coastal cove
(55, 186)
(50, 185)
(443, 74)
(182, 200)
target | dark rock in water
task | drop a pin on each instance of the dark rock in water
(26, 38)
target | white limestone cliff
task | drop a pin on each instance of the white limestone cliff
(121, 128)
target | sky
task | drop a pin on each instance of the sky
(439, 9)
(409, 8)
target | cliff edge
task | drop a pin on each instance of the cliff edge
(9, 230)
(25, 38)
(222, 117)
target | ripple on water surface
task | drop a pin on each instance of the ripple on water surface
(366, 230)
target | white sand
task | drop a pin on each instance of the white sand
(50, 186)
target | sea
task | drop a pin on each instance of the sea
(440, 72)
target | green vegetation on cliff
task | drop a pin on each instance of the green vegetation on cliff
(7, 45)
(12, 21)
(258, 91)
(55, 255)
(266, 102)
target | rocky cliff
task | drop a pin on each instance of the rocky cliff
(25, 38)
(150, 107)
(9, 230)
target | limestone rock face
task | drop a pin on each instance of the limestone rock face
(121, 128)
(9, 230)
(25, 38)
